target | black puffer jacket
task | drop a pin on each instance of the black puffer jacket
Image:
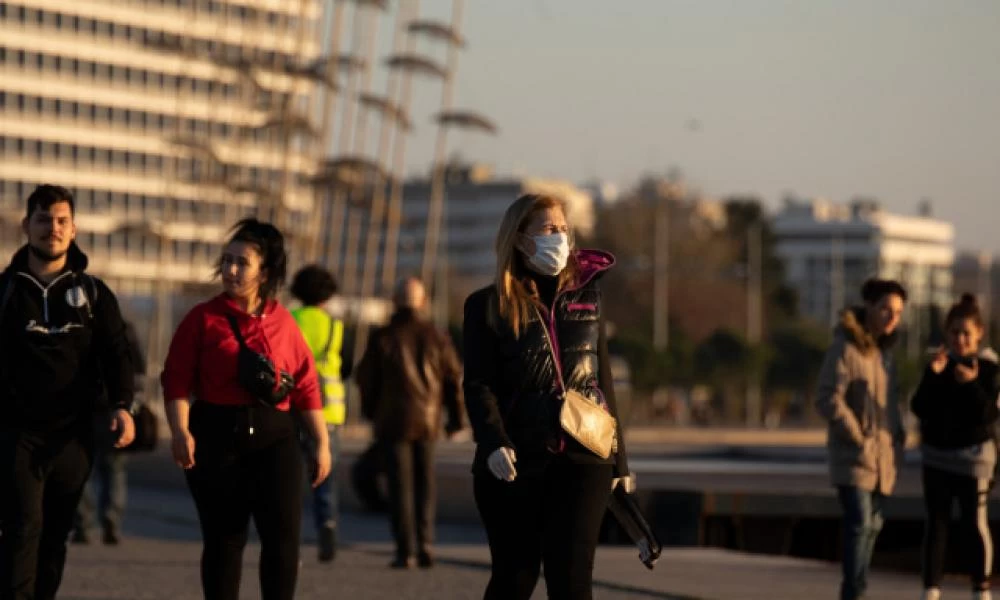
(511, 382)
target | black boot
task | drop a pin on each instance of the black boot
(327, 543)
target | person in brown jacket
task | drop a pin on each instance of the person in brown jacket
(409, 372)
(859, 398)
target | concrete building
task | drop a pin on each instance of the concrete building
(475, 204)
(830, 249)
(160, 116)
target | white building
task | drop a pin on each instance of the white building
(475, 205)
(159, 115)
(829, 250)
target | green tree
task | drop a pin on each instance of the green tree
(793, 373)
(728, 364)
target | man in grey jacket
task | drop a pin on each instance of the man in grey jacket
(859, 398)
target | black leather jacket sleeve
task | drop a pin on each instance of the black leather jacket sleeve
(606, 381)
(480, 349)
(114, 350)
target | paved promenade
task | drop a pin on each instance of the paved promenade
(159, 559)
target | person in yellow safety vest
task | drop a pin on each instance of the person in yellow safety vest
(314, 286)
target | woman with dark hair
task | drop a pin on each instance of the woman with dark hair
(236, 366)
(535, 341)
(956, 403)
(859, 398)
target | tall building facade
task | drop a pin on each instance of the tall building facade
(168, 119)
(830, 249)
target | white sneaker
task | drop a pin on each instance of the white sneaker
(932, 594)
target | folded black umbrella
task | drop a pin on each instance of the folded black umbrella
(626, 511)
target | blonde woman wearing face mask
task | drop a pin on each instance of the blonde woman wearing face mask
(529, 339)
(957, 406)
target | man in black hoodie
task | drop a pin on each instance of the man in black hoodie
(64, 358)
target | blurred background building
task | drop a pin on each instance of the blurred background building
(830, 249)
(477, 200)
(169, 120)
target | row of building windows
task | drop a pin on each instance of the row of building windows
(146, 122)
(138, 207)
(104, 73)
(240, 12)
(135, 246)
(140, 35)
(132, 206)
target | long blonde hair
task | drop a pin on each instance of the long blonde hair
(515, 300)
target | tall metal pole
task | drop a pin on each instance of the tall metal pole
(288, 104)
(346, 137)
(325, 138)
(357, 193)
(397, 176)
(661, 274)
(434, 209)
(754, 318)
(837, 300)
(393, 126)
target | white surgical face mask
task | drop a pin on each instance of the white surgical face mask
(551, 253)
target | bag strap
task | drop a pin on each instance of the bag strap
(552, 351)
(236, 330)
(90, 293)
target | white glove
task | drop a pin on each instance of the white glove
(501, 464)
(627, 483)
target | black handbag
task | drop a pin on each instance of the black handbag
(626, 511)
(257, 373)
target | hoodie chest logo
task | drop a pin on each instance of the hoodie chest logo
(76, 297)
(34, 326)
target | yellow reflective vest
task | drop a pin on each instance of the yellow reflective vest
(325, 337)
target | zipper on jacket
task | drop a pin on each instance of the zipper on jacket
(45, 290)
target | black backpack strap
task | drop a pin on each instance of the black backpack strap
(6, 291)
(92, 281)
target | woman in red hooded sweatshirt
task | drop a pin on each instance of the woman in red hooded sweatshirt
(236, 366)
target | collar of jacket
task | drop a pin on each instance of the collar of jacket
(230, 306)
(76, 260)
(852, 328)
(590, 264)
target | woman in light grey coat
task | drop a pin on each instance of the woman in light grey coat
(858, 396)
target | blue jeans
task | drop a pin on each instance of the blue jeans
(109, 476)
(325, 503)
(862, 521)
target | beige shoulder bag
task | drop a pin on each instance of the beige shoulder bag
(584, 420)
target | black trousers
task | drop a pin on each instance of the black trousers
(41, 481)
(941, 489)
(412, 498)
(552, 517)
(238, 476)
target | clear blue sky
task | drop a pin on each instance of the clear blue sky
(894, 99)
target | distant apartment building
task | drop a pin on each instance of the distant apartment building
(475, 205)
(830, 249)
(160, 116)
